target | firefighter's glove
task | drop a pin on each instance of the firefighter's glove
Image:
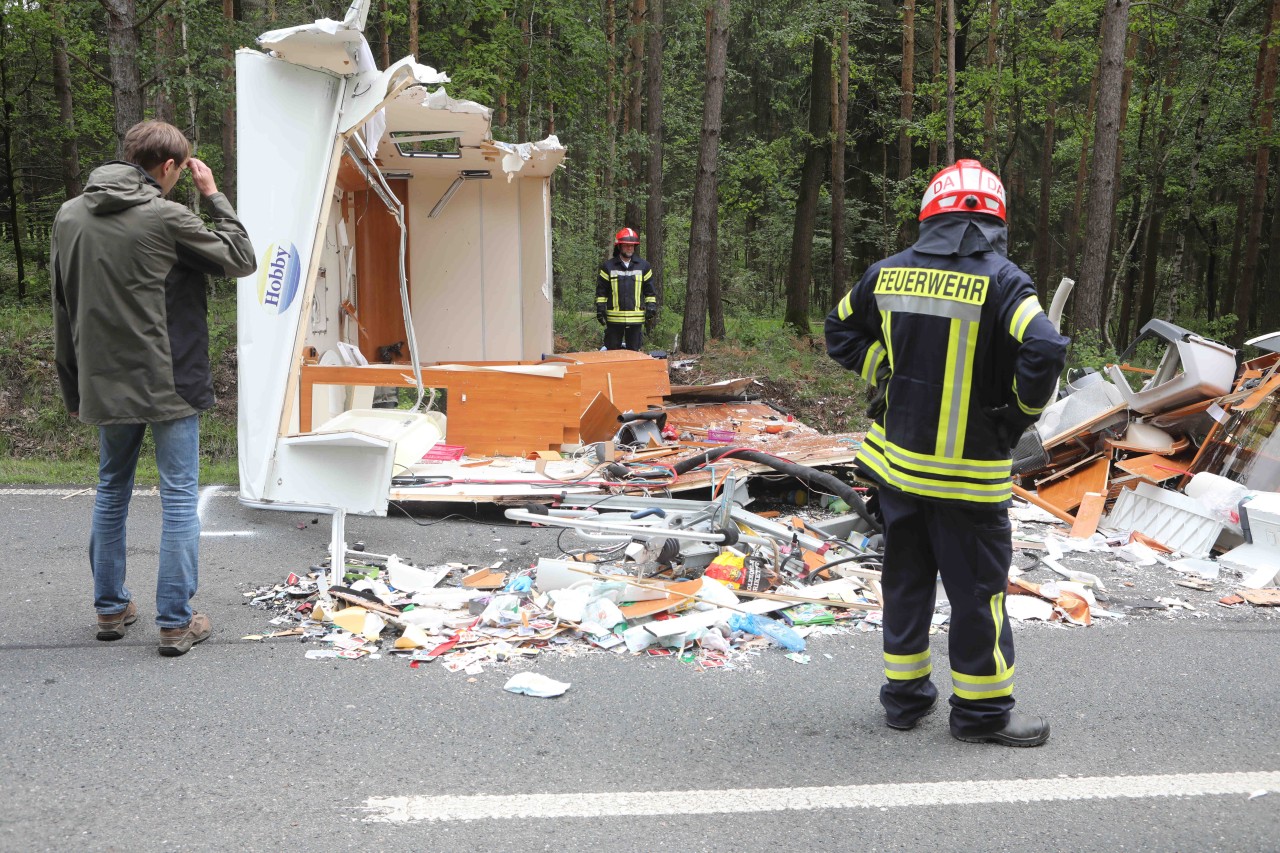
(650, 318)
(1010, 422)
(879, 393)
(600, 315)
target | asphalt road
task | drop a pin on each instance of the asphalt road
(249, 746)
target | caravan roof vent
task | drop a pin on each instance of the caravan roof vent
(440, 145)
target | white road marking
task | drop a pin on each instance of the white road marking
(659, 803)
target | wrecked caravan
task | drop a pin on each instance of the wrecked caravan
(390, 227)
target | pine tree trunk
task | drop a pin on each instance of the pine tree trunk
(906, 104)
(166, 48)
(715, 291)
(1091, 290)
(126, 80)
(702, 222)
(1082, 178)
(951, 82)
(800, 268)
(525, 106)
(839, 268)
(413, 28)
(934, 102)
(989, 113)
(1043, 243)
(6, 150)
(382, 19)
(230, 173)
(655, 238)
(1246, 284)
(69, 147)
(635, 111)
(610, 113)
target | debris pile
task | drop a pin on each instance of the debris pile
(706, 582)
(1168, 474)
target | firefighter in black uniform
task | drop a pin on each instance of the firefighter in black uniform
(626, 294)
(963, 359)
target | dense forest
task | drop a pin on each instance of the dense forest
(767, 152)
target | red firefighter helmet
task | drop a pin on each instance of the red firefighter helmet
(627, 236)
(966, 187)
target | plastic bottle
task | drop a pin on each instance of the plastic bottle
(763, 626)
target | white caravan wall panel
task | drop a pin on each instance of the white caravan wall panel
(500, 244)
(534, 245)
(286, 121)
(445, 281)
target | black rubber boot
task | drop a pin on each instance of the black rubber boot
(1019, 731)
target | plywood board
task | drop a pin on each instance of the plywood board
(599, 422)
(1067, 493)
(1155, 467)
(379, 311)
(1091, 507)
(489, 412)
(632, 381)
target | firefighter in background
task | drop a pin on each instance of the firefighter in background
(964, 360)
(626, 295)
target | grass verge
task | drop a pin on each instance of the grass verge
(39, 443)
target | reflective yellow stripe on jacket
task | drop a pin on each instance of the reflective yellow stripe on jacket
(935, 475)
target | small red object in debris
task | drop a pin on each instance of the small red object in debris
(305, 607)
(444, 453)
(292, 580)
(443, 647)
(1231, 600)
(721, 436)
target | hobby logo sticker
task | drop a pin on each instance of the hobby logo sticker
(278, 277)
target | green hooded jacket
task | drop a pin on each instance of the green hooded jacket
(130, 312)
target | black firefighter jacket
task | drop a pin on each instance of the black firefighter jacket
(969, 357)
(625, 291)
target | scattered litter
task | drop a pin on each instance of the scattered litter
(533, 684)
(1261, 597)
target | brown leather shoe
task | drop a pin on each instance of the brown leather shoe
(178, 641)
(111, 626)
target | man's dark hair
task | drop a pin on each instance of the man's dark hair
(151, 143)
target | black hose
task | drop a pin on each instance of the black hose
(813, 477)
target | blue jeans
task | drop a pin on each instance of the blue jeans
(178, 460)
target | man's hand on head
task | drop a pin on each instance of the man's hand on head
(202, 176)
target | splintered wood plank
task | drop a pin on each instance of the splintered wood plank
(1091, 506)
(599, 422)
(1067, 492)
(1155, 467)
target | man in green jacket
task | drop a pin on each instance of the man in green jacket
(132, 348)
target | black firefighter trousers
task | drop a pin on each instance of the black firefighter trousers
(624, 336)
(971, 549)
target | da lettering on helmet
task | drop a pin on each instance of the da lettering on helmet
(935, 284)
(278, 275)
